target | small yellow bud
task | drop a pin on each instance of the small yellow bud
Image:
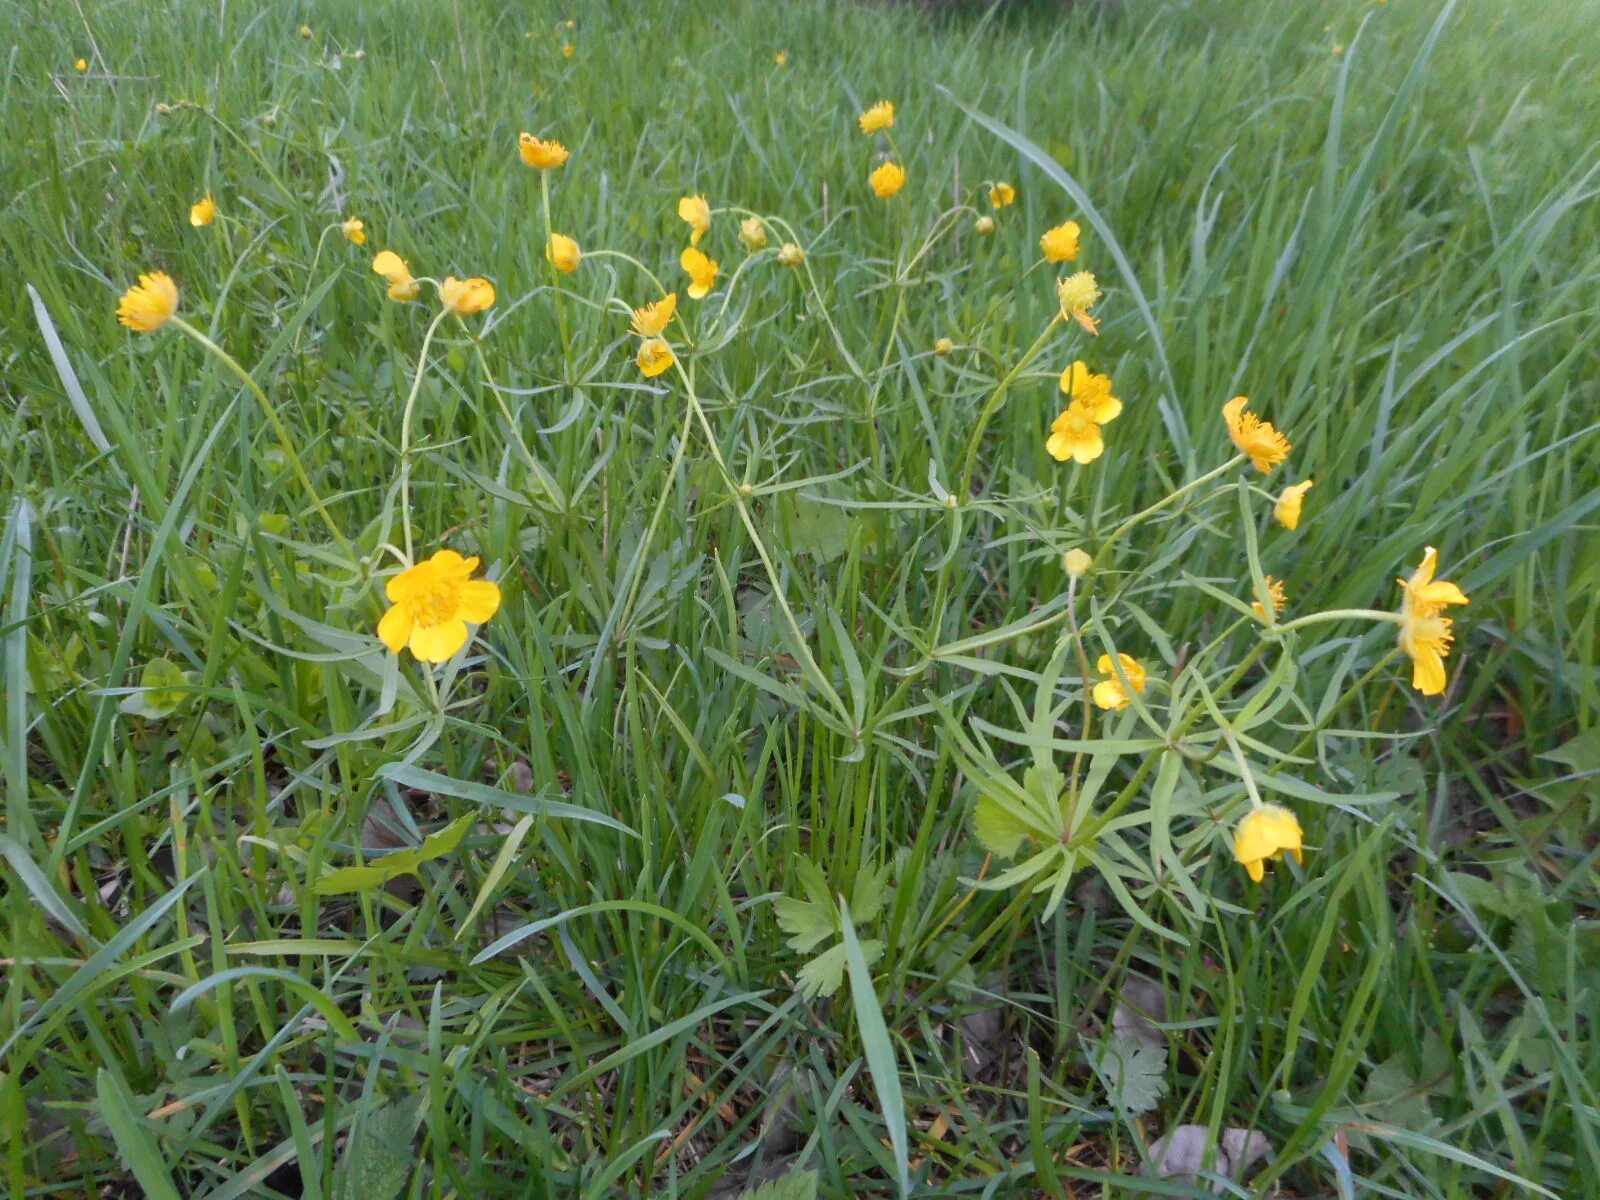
(1076, 563)
(305, 32)
(791, 255)
(943, 346)
(984, 226)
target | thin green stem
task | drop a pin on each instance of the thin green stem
(992, 406)
(1144, 514)
(405, 433)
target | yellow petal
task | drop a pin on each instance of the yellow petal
(438, 643)
(395, 627)
(480, 600)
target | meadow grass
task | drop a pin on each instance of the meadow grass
(757, 647)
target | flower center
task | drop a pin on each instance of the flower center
(435, 606)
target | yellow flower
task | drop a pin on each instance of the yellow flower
(1265, 833)
(563, 253)
(1075, 435)
(432, 603)
(203, 212)
(650, 320)
(697, 213)
(1076, 563)
(1424, 634)
(540, 154)
(1255, 437)
(655, 356)
(702, 272)
(568, 50)
(466, 296)
(753, 233)
(791, 255)
(887, 179)
(1275, 593)
(81, 65)
(1091, 393)
(943, 346)
(1109, 693)
(391, 266)
(355, 229)
(1061, 243)
(1002, 194)
(305, 32)
(149, 304)
(781, 58)
(1287, 510)
(877, 118)
(1078, 294)
(983, 226)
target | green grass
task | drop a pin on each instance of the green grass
(703, 705)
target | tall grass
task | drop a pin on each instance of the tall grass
(1378, 221)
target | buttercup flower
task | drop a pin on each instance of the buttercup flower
(466, 296)
(1108, 693)
(81, 65)
(1002, 194)
(391, 266)
(1091, 393)
(1266, 833)
(781, 58)
(432, 603)
(753, 233)
(655, 356)
(540, 154)
(148, 304)
(568, 50)
(1276, 594)
(203, 212)
(983, 226)
(563, 253)
(650, 320)
(1424, 634)
(355, 229)
(702, 272)
(697, 213)
(791, 255)
(1078, 294)
(1061, 243)
(1255, 437)
(887, 179)
(1287, 509)
(943, 346)
(877, 118)
(1075, 435)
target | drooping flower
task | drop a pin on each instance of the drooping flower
(983, 226)
(655, 356)
(1287, 509)
(753, 232)
(887, 180)
(1259, 439)
(702, 272)
(355, 229)
(432, 603)
(1425, 635)
(650, 320)
(1276, 594)
(1061, 243)
(563, 253)
(540, 154)
(877, 118)
(148, 304)
(1091, 392)
(791, 255)
(203, 211)
(1002, 194)
(466, 296)
(391, 266)
(1109, 693)
(943, 346)
(1264, 834)
(1078, 294)
(697, 213)
(1075, 435)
